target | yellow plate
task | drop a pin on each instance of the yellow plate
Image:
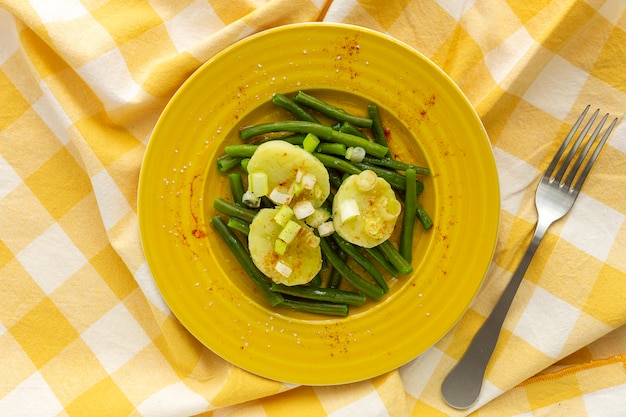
(430, 122)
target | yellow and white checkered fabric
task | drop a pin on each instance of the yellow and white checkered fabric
(83, 331)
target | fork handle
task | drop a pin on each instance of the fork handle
(461, 387)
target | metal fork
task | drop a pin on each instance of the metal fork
(555, 196)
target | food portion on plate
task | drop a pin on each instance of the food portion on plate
(309, 200)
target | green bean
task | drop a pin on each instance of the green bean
(321, 131)
(371, 290)
(340, 164)
(238, 224)
(332, 295)
(423, 216)
(316, 282)
(235, 181)
(295, 139)
(377, 126)
(330, 110)
(242, 255)
(395, 164)
(232, 210)
(334, 178)
(332, 148)
(334, 280)
(394, 257)
(292, 107)
(347, 127)
(315, 307)
(380, 258)
(240, 150)
(408, 218)
(244, 164)
(360, 259)
(226, 162)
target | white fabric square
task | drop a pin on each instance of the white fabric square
(501, 60)
(52, 258)
(556, 88)
(173, 401)
(592, 226)
(58, 10)
(51, 112)
(109, 77)
(612, 10)
(8, 178)
(33, 397)
(515, 177)
(369, 405)
(487, 393)
(195, 24)
(144, 278)
(416, 374)
(456, 8)
(8, 34)
(339, 10)
(547, 322)
(115, 338)
(609, 402)
(112, 203)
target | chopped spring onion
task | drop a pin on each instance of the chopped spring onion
(303, 209)
(283, 269)
(308, 181)
(310, 142)
(356, 155)
(250, 199)
(326, 229)
(289, 232)
(280, 195)
(319, 216)
(366, 180)
(283, 215)
(258, 183)
(348, 209)
(280, 247)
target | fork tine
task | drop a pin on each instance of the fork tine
(570, 177)
(555, 160)
(559, 176)
(594, 156)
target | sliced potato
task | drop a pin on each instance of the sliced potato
(365, 209)
(302, 258)
(289, 167)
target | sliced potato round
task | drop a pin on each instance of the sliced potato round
(291, 168)
(365, 209)
(302, 258)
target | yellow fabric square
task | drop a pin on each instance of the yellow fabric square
(60, 183)
(147, 365)
(14, 104)
(83, 225)
(301, 402)
(28, 143)
(458, 54)
(103, 399)
(5, 254)
(385, 13)
(527, 10)
(606, 301)
(179, 346)
(15, 365)
(12, 232)
(495, 110)
(41, 55)
(577, 273)
(84, 298)
(77, 359)
(605, 67)
(421, 409)
(43, 332)
(233, 10)
(209, 376)
(390, 388)
(20, 293)
(539, 396)
(114, 272)
(107, 140)
(22, 80)
(124, 20)
(243, 386)
(79, 100)
(334, 398)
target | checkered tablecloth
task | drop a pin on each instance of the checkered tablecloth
(83, 330)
